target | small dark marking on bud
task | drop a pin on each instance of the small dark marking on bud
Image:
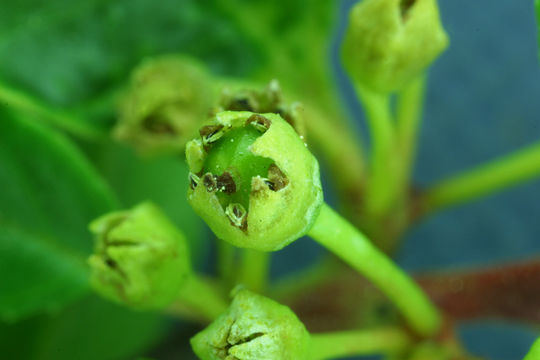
(259, 122)
(277, 178)
(237, 216)
(209, 182)
(123, 243)
(211, 133)
(225, 183)
(240, 104)
(404, 7)
(156, 125)
(110, 263)
(113, 265)
(193, 181)
(270, 184)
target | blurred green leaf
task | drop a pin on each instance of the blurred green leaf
(53, 189)
(71, 52)
(50, 194)
(36, 275)
(88, 330)
(294, 38)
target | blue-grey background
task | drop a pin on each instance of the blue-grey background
(483, 101)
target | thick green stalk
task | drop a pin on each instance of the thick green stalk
(362, 342)
(335, 233)
(383, 162)
(226, 262)
(342, 154)
(199, 298)
(409, 116)
(254, 270)
(484, 180)
(534, 352)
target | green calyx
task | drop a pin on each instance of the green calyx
(253, 328)
(230, 157)
(164, 106)
(140, 259)
(253, 180)
(266, 100)
(390, 42)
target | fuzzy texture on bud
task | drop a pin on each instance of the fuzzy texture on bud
(253, 328)
(141, 260)
(253, 180)
(168, 99)
(389, 42)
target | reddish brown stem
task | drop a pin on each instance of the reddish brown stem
(344, 300)
(509, 292)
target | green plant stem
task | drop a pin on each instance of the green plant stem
(254, 269)
(363, 342)
(340, 237)
(199, 299)
(342, 154)
(226, 262)
(20, 101)
(383, 162)
(484, 180)
(534, 352)
(408, 116)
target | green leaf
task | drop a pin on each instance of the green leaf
(88, 330)
(53, 189)
(105, 40)
(50, 194)
(36, 275)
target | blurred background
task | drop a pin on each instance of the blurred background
(482, 102)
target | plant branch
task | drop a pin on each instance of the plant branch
(534, 352)
(337, 298)
(336, 234)
(226, 262)
(253, 272)
(362, 342)
(379, 193)
(495, 176)
(199, 299)
(409, 116)
(506, 292)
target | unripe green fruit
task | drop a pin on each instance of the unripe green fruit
(390, 42)
(141, 260)
(253, 328)
(253, 180)
(168, 99)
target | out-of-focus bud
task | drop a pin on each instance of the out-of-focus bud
(253, 328)
(253, 180)
(390, 42)
(267, 100)
(141, 260)
(168, 99)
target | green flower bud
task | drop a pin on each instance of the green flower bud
(389, 42)
(253, 180)
(253, 328)
(166, 102)
(267, 100)
(140, 259)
